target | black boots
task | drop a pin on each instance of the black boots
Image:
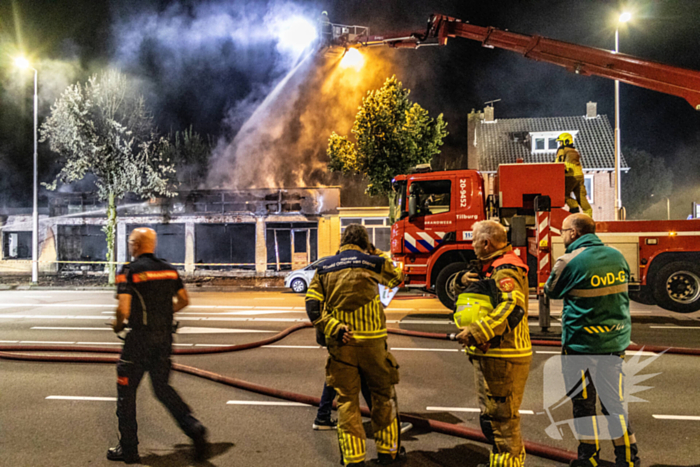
(201, 445)
(128, 456)
(587, 456)
(622, 453)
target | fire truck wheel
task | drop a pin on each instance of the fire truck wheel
(677, 287)
(298, 285)
(444, 285)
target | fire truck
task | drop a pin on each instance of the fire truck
(432, 237)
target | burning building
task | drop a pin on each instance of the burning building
(260, 230)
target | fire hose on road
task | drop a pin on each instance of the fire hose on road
(9, 352)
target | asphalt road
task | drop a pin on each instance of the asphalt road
(63, 413)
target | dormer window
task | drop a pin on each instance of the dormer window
(547, 141)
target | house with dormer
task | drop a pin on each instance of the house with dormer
(493, 141)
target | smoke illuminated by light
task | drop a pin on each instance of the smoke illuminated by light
(296, 34)
(353, 59)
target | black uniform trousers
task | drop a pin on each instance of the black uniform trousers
(141, 354)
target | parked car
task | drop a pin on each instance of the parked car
(300, 279)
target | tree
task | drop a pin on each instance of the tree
(190, 153)
(392, 135)
(648, 181)
(102, 128)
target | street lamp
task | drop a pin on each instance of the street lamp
(23, 63)
(624, 17)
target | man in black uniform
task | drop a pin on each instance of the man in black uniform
(149, 291)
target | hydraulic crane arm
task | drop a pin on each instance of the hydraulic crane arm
(577, 58)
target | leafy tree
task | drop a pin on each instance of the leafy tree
(392, 135)
(102, 128)
(647, 182)
(190, 153)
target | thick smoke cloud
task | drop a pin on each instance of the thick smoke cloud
(278, 105)
(200, 61)
(283, 143)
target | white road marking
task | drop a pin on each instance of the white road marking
(213, 345)
(194, 330)
(58, 328)
(50, 317)
(453, 409)
(674, 327)
(549, 351)
(81, 398)
(59, 305)
(677, 417)
(273, 403)
(8, 342)
(183, 345)
(424, 350)
(273, 320)
(292, 347)
(470, 410)
(99, 343)
(47, 342)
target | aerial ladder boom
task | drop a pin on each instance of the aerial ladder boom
(580, 59)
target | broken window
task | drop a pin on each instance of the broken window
(226, 246)
(291, 245)
(18, 245)
(171, 241)
(82, 243)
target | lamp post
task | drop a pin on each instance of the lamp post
(24, 63)
(624, 17)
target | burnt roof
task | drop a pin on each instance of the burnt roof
(507, 139)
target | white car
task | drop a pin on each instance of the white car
(300, 279)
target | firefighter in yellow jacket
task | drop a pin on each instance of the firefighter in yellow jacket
(498, 342)
(343, 301)
(574, 181)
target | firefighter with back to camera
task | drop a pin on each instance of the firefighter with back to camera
(492, 310)
(343, 301)
(149, 292)
(574, 180)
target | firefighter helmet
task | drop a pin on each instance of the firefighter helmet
(565, 139)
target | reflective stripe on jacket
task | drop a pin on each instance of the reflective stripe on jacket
(510, 275)
(346, 286)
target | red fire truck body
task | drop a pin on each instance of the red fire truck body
(432, 236)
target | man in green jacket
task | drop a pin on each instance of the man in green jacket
(592, 279)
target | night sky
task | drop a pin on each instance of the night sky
(209, 64)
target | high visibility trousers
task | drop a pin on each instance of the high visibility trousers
(577, 186)
(371, 360)
(501, 384)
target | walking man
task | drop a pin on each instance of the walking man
(596, 325)
(343, 301)
(149, 292)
